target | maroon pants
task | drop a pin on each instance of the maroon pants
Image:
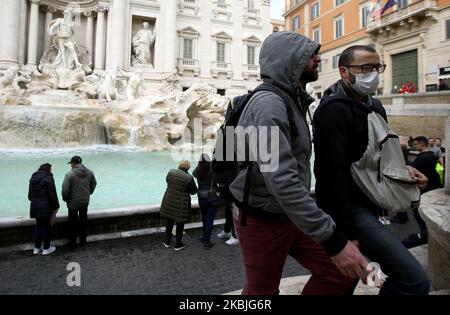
(265, 245)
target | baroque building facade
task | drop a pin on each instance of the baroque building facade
(212, 41)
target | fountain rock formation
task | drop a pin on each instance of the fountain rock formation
(115, 107)
(158, 122)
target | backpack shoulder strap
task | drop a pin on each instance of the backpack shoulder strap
(288, 101)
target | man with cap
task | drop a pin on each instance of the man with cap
(78, 186)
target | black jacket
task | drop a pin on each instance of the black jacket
(426, 164)
(340, 139)
(42, 194)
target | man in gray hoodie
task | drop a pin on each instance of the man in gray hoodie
(78, 186)
(282, 218)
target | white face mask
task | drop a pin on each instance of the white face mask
(366, 84)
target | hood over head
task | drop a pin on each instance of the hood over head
(283, 58)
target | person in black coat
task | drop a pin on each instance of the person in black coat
(425, 163)
(44, 202)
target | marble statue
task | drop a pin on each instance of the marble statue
(13, 80)
(66, 57)
(171, 83)
(135, 82)
(62, 32)
(107, 89)
(7, 77)
(142, 45)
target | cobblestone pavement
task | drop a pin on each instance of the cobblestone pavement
(138, 265)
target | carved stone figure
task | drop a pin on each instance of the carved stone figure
(142, 45)
(171, 83)
(65, 53)
(7, 77)
(107, 89)
(62, 32)
(135, 82)
(13, 81)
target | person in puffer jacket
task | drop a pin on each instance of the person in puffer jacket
(44, 202)
(78, 186)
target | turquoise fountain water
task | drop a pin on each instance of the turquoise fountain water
(126, 176)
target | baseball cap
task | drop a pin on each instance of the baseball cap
(76, 160)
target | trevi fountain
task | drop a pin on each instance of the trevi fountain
(115, 119)
(131, 124)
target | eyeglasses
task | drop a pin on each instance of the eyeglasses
(368, 68)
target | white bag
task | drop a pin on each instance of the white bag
(381, 173)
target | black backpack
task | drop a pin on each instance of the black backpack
(225, 167)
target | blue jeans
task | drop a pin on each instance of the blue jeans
(229, 221)
(208, 213)
(405, 275)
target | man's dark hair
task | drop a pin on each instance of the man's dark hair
(422, 140)
(348, 56)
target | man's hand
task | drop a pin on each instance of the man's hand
(422, 180)
(351, 262)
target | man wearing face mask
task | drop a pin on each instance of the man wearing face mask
(340, 139)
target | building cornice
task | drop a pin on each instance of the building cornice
(79, 6)
(294, 7)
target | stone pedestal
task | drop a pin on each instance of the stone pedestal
(435, 210)
(59, 98)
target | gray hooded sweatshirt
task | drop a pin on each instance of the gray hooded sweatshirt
(78, 186)
(286, 188)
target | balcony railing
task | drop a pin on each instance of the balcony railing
(222, 5)
(221, 67)
(400, 14)
(251, 70)
(192, 5)
(253, 11)
(188, 64)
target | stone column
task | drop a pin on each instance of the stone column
(10, 12)
(33, 34)
(119, 29)
(90, 32)
(168, 34)
(100, 42)
(48, 18)
(265, 16)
